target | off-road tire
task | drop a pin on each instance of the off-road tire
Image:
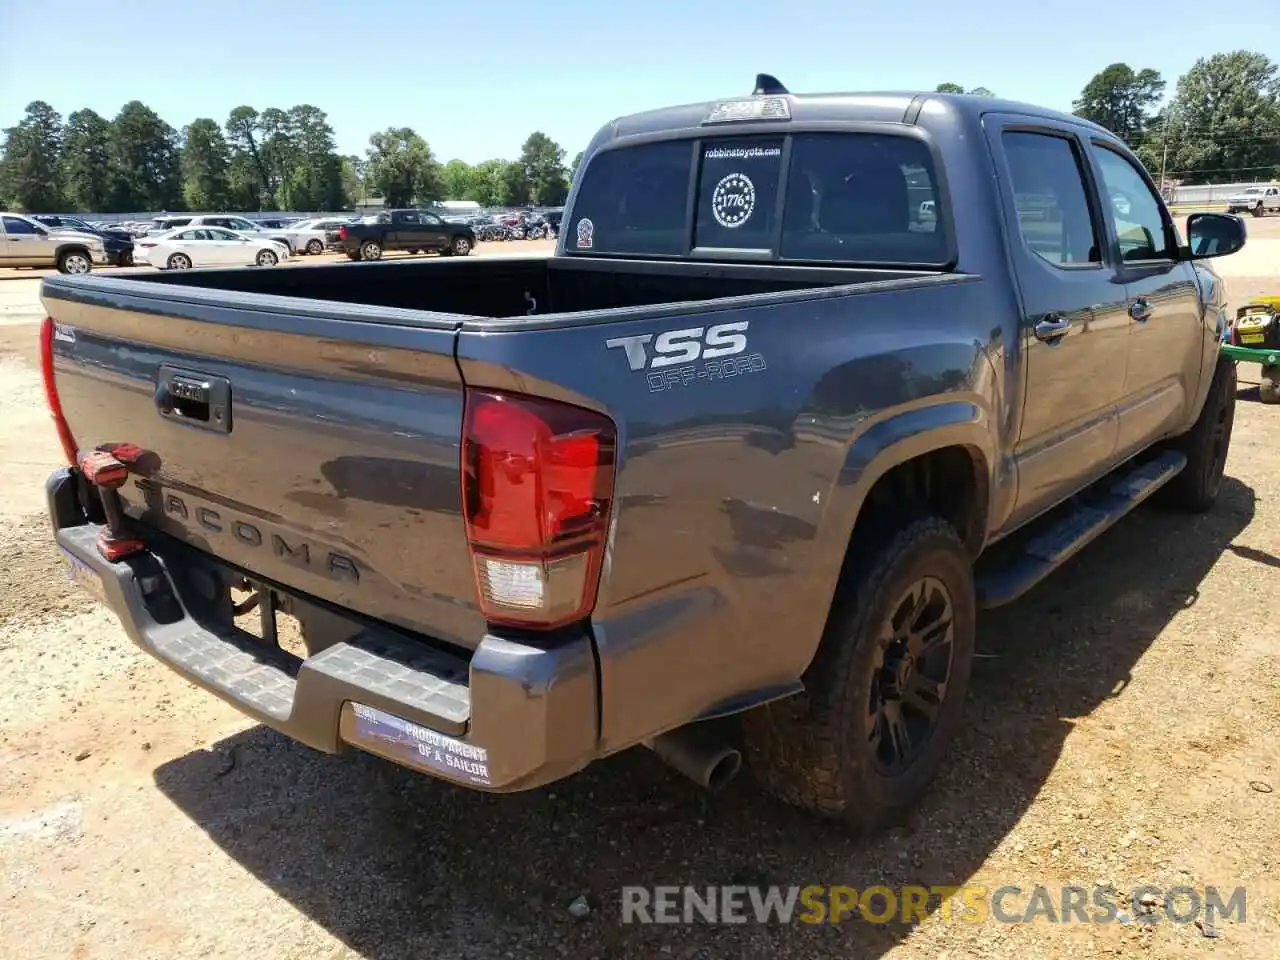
(812, 750)
(1206, 445)
(1269, 388)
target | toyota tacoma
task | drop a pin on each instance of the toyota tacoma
(729, 476)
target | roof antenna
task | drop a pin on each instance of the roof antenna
(767, 85)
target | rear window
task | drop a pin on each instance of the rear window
(842, 197)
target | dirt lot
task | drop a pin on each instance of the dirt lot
(1124, 727)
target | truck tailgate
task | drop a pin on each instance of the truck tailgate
(318, 450)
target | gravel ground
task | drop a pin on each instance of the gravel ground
(1124, 727)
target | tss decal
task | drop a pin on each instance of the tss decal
(689, 355)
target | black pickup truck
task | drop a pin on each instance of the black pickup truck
(730, 473)
(411, 230)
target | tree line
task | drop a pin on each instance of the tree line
(273, 159)
(1221, 124)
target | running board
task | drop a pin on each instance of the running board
(1051, 549)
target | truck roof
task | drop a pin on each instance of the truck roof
(870, 107)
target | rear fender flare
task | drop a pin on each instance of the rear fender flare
(885, 444)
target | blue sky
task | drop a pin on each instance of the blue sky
(475, 78)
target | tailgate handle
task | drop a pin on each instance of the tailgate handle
(195, 399)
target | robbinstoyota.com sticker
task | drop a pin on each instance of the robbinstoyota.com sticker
(419, 746)
(586, 233)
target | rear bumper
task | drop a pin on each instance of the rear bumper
(510, 718)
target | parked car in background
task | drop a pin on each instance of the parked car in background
(25, 242)
(189, 247)
(118, 243)
(227, 222)
(309, 236)
(1256, 201)
(411, 230)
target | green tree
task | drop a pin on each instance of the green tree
(573, 168)
(956, 88)
(206, 165)
(488, 187)
(458, 179)
(31, 175)
(86, 161)
(249, 176)
(542, 164)
(402, 168)
(244, 185)
(146, 170)
(1223, 123)
(354, 170)
(313, 135)
(515, 185)
(1121, 100)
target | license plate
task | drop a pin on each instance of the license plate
(86, 579)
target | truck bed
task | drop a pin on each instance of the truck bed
(498, 287)
(736, 393)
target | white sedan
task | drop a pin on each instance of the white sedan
(189, 247)
(308, 236)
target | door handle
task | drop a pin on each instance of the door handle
(1052, 328)
(1140, 310)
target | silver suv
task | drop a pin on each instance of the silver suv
(26, 243)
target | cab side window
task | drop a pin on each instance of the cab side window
(15, 226)
(1133, 209)
(1049, 195)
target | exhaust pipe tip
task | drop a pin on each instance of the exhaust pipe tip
(725, 768)
(700, 753)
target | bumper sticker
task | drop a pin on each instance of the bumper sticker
(419, 746)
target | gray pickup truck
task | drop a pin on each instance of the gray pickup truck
(729, 475)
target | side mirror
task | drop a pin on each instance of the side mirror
(1214, 235)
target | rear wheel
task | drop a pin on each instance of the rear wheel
(178, 261)
(1269, 388)
(315, 247)
(884, 695)
(75, 262)
(1206, 445)
(369, 250)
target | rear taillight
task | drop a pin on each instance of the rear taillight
(69, 448)
(537, 482)
(342, 233)
(146, 244)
